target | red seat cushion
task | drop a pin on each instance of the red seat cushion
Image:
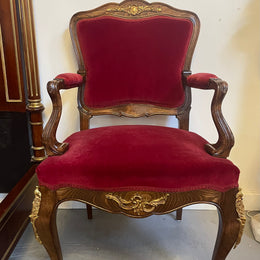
(134, 157)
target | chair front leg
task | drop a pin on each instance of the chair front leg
(231, 224)
(43, 219)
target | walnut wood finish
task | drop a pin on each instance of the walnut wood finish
(130, 9)
(121, 10)
(226, 139)
(220, 149)
(52, 146)
(134, 9)
(137, 204)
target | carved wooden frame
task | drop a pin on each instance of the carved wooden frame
(129, 9)
(134, 9)
(139, 203)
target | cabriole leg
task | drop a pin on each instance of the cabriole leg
(231, 223)
(43, 219)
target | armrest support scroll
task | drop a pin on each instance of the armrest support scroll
(62, 81)
(226, 139)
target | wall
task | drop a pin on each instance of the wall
(229, 46)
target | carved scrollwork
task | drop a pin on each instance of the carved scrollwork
(134, 9)
(241, 214)
(52, 146)
(226, 139)
(35, 211)
(139, 203)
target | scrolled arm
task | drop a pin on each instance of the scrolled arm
(62, 81)
(226, 139)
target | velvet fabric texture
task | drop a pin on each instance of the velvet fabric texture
(200, 80)
(134, 60)
(136, 157)
(70, 79)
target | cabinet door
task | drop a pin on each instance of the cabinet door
(15, 145)
(12, 89)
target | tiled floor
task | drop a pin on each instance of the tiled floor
(117, 237)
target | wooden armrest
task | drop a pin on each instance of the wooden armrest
(52, 146)
(209, 81)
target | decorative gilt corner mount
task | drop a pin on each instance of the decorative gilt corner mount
(139, 203)
(134, 9)
(35, 211)
(241, 215)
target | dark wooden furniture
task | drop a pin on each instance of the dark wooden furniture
(69, 174)
(20, 120)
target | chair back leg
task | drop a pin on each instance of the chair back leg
(89, 211)
(179, 214)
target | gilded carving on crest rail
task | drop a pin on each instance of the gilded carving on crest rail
(35, 211)
(241, 213)
(139, 203)
(134, 9)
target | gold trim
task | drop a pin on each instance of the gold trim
(37, 148)
(33, 50)
(134, 9)
(38, 159)
(241, 215)
(30, 88)
(34, 100)
(35, 212)
(3, 64)
(139, 202)
(36, 123)
(16, 52)
(34, 104)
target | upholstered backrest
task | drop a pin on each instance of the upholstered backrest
(134, 54)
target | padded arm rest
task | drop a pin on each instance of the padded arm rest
(62, 81)
(70, 80)
(200, 80)
(210, 81)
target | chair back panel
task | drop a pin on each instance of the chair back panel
(134, 54)
(134, 61)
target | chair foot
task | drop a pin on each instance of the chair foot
(179, 214)
(231, 224)
(89, 211)
(43, 219)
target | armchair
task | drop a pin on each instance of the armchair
(134, 60)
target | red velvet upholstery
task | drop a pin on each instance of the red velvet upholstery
(134, 60)
(70, 79)
(137, 158)
(200, 80)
